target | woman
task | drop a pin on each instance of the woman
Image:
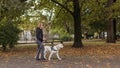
(39, 37)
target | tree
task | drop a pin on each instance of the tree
(111, 29)
(99, 11)
(77, 20)
(98, 26)
(10, 12)
(8, 35)
(93, 16)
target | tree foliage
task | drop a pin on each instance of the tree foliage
(8, 35)
(58, 14)
(10, 12)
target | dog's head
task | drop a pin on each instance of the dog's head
(60, 45)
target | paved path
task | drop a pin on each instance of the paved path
(66, 62)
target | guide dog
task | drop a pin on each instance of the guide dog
(53, 50)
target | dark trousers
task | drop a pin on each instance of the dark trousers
(40, 50)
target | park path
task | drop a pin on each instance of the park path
(66, 62)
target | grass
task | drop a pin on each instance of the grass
(94, 42)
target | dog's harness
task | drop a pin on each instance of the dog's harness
(52, 48)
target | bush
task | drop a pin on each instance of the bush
(8, 35)
(66, 38)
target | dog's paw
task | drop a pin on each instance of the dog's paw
(59, 59)
(34, 56)
(49, 59)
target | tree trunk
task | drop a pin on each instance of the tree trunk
(77, 25)
(111, 33)
(111, 29)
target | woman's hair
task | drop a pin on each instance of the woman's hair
(40, 24)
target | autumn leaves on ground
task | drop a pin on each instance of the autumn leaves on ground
(94, 54)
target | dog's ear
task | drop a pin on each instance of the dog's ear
(51, 42)
(61, 42)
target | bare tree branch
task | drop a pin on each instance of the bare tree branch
(62, 6)
(61, 9)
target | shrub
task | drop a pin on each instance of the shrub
(66, 37)
(8, 35)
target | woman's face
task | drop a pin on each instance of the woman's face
(41, 26)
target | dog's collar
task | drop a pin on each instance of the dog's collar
(52, 48)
